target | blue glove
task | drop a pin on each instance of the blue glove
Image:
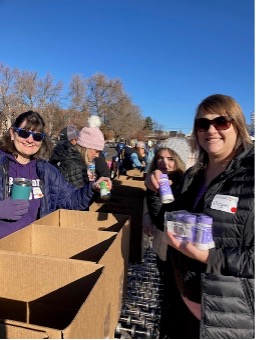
(13, 209)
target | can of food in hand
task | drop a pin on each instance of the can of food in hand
(104, 191)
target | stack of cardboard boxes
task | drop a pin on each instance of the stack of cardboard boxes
(64, 276)
(127, 197)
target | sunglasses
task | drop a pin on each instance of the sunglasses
(220, 123)
(37, 136)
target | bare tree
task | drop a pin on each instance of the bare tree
(77, 93)
(107, 99)
(48, 92)
(24, 90)
(25, 87)
(8, 98)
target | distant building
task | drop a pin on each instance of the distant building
(252, 126)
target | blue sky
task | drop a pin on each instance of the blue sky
(169, 54)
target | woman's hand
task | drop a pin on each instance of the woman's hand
(96, 185)
(152, 180)
(187, 248)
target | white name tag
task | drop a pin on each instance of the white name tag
(225, 203)
(37, 192)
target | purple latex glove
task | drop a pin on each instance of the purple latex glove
(13, 209)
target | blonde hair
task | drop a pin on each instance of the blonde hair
(83, 152)
(222, 105)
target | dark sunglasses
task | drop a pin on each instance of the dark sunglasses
(37, 136)
(220, 123)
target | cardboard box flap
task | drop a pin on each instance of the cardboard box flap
(46, 294)
(36, 276)
(88, 245)
(85, 220)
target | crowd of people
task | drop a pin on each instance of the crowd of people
(210, 292)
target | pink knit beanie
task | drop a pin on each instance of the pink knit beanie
(91, 138)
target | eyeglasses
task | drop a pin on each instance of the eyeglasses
(37, 136)
(220, 123)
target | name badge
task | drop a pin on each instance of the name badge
(225, 203)
(37, 192)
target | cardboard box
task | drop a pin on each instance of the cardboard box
(47, 297)
(118, 257)
(132, 206)
(104, 248)
(89, 245)
(90, 220)
(123, 187)
(93, 220)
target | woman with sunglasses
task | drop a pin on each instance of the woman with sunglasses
(24, 151)
(216, 285)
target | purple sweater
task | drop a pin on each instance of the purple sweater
(27, 171)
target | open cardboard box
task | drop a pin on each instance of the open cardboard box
(92, 220)
(123, 187)
(118, 257)
(89, 245)
(61, 235)
(132, 206)
(48, 297)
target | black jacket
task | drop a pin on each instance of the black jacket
(225, 287)
(154, 203)
(69, 161)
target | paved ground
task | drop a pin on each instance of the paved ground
(110, 152)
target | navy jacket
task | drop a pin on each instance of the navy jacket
(58, 193)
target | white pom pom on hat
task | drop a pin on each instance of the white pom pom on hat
(91, 137)
(94, 121)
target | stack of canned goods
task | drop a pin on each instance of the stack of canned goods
(195, 228)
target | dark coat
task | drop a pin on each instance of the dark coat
(225, 287)
(58, 193)
(154, 203)
(69, 161)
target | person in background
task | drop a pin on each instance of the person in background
(171, 158)
(24, 151)
(68, 133)
(118, 158)
(150, 152)
(73, 161)
(64, 153)
(136, 159)
(101, 167)
(216, 286)
(120, 147)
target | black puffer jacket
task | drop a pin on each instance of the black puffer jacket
(68, 160)
(225, 287)
(70, 163)
(154, 203)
